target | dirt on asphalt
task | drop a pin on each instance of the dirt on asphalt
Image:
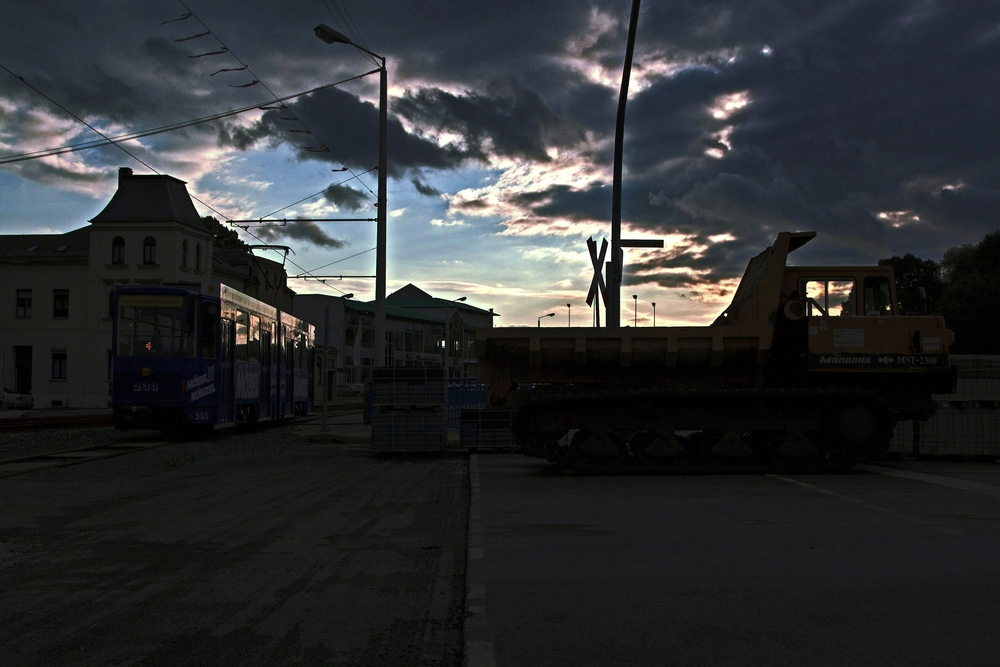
(248, 549)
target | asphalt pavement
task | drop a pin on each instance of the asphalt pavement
(881, 566)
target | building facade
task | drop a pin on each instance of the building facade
(56, 289)
(421, 330)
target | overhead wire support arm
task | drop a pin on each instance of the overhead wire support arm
(285, 221)
(315, 277)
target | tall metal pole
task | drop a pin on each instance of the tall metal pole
(326, 362)
(614, 277)
(380, 258)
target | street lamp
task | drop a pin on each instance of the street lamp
(569, 314)
(544, 316)
(635, 312)
(654, 313)
(331, 36)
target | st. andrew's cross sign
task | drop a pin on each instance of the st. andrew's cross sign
(597, 286)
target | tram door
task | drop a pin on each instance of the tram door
(267, 398)
(226, 405)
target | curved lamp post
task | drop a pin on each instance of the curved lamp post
(543, 317)
(331, 36)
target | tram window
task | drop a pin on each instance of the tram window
(242, 321)
(150, 326)
(190, 326)
(253, 340)
(209, 329)
(878, 298)
(829, 297)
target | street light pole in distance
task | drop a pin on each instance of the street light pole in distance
(654, 313)
(543, 317)
(635, 311)
(331, 36)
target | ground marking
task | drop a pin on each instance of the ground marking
(951, 482)
(877, 508)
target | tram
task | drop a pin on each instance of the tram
(190, 356)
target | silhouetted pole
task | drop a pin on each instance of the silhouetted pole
(654, 313)
(331, 36)
(614, 277)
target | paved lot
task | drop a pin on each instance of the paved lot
(263, 549)
(862, 568)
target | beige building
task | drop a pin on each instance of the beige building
(55, 289)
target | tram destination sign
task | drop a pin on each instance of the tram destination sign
(151, 301)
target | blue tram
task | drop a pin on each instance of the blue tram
(184, 358)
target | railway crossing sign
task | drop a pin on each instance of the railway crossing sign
(597, 286)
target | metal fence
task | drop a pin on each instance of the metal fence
(967, 423)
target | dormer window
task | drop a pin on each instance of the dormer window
(118, 250)
(32, 248)
(62, 248)
(149, 250)
(184, 253)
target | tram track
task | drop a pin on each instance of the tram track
(66, 457)
(20, 424)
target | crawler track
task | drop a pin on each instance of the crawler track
(706, 432)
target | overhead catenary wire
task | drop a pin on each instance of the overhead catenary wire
(323, 144)
(142, 162)
(97, 143)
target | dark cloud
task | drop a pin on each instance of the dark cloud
(424, 189)
(299, 230)
(349, 127)
(343, 197)
(506, 119)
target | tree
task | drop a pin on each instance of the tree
(912, 272)
(970, 302)
(223, 236)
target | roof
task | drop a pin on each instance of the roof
(157, 198)
(393, 311)
(48, 247)
(410, 291)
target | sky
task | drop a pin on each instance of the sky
(871, 123)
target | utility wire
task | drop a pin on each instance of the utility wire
(124, 150)
(96, 143)
(346, 180)
(265, 86)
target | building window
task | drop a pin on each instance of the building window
(197, 257)
(184, 253)
(118, 250)
(24, 303)
(149, 250)
(59, 364)
(60, 303)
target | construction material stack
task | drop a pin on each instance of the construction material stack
(486, 429)
(409, 409)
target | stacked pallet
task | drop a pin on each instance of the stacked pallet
(408, 409)
(486, 429)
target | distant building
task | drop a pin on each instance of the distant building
(421, 330)
(55, 289)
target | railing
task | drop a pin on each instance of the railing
(967, 423)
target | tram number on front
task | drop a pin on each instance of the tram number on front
(145, 386)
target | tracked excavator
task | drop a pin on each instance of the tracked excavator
(809, 368)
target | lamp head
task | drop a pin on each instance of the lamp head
(463, 298)
(348, 296)
(331, 36)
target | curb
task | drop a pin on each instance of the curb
(479, 651)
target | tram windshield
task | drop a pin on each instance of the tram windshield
(151, 325)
